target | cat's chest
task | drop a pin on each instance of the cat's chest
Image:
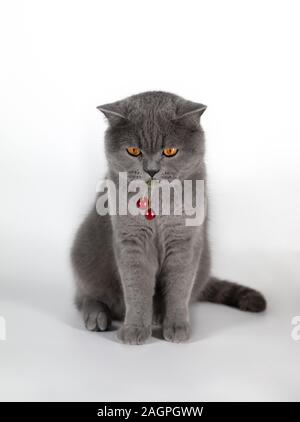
(171, 232)
(161, 236)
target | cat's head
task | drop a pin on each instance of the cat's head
(154, 134)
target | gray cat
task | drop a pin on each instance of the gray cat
(140, 270)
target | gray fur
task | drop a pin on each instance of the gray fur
(132, 269)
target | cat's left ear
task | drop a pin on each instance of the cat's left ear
(114, 112)
(190, 111)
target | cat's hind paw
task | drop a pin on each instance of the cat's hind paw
(97, 321)
(96, 316)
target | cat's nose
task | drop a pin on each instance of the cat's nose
(152, 172)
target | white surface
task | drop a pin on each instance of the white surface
(59, 60)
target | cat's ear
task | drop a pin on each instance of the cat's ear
(189, 112)
(114, 112)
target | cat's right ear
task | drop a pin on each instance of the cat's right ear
(190, 110)
(113, 112)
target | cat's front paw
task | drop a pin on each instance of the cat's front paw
(177, 332)
(134, 334)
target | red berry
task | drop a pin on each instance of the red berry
(150, 214)
(142, 203)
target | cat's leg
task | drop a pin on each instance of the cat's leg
(137, 266)
(177, 277)
(176, 325)
(99, 294)
(96, 314)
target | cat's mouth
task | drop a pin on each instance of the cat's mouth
(160, 178)
(147, 178)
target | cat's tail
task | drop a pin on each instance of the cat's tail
(233, 294)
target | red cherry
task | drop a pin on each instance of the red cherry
(142, 203)
(149, 214)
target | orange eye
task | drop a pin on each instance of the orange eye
(170, 152)
(135, 151)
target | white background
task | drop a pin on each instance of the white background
(61, 59)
